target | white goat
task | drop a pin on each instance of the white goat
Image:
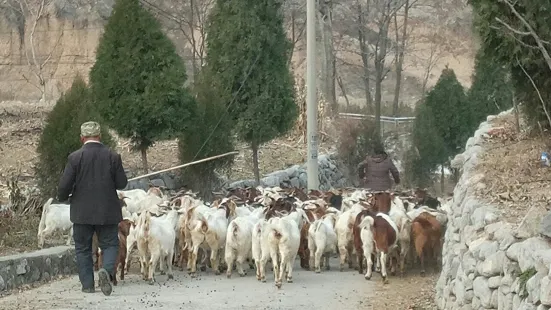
(209, 229)
(322, 240)
(131, 198)
(403, 224)
(156, 238)
(239, 240)
(55, 216)
(283, 239)
(343, 229)
(366, 234)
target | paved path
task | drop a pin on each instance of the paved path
(328, 290)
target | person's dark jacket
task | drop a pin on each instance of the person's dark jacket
(375, 170)
(92, 175)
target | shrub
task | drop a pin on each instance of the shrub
(60, 136)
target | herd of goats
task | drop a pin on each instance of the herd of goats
(255, 225)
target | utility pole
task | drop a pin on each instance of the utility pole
(311, 96)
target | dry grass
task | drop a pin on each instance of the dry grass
(18, 234)
(513, 179)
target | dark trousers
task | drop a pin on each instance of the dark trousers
(108, 239)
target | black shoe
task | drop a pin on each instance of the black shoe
(104, 283)
(88, 290)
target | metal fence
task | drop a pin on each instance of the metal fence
(388, 123)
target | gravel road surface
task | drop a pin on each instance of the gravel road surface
(328, 290)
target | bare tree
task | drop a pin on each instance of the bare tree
(325, 19)
(382, 14)
(400, 51)
(189, 17)
(435, 53)
(38, 60)
(295, 15)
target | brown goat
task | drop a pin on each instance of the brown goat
(426, 233)
(124, 230)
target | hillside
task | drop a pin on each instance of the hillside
(60, 42)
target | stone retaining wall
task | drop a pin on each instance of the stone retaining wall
(43, 265)
(487, 263)
(331, 175)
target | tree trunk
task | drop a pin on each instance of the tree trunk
(515, 109)
(328, 63)
(380, 55)
(442, 180)
(364, 51)
(145, 165)
(401, 47)
(194, 66)
(256, 170)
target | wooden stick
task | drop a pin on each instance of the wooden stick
(185, 165)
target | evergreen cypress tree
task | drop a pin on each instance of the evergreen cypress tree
(138, 79)
(491, 91)
(448, 104)
(429, 149)
(247, 54)
(210, 135)
(61, 135)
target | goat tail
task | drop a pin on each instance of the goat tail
(146, 223)
(204, 225)
(234, 229)
(317, 226)
(277, 233)
(45, 209)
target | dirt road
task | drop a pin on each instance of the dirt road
(328, 290)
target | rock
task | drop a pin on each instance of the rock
(524, 305)
(533, 286)
(487, 249)
(523, 251)
(542, 261)
(295, 182)
(482, 291)
(530, 224)
(21, 267)
(270, 181)
(281, 175)
(170, 181)
(516, 301)
(545, 225)
(493, 299)
(293, 171)
(460, 293)
(492, 265)
(505, 301)
(468, 263)
(476, 304)
(303, 180)
(545, 291)
(469, 234)
(2, 284)
(483, 216)
(158, 183)
(494, 282)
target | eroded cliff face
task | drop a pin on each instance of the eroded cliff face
(41, 52)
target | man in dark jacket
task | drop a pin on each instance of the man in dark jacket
(375, 170)
(92, 175)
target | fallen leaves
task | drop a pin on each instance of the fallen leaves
(513, 178)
